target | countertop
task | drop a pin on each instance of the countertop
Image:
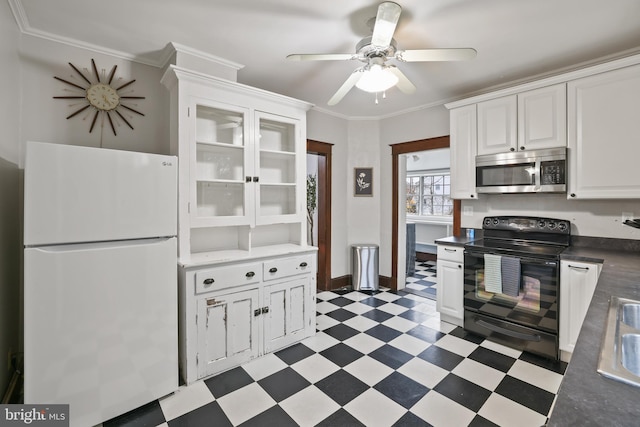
(585, 397)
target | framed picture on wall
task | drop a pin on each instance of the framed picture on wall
(363, 184)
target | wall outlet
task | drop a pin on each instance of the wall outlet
(626, 216)
(468, 211)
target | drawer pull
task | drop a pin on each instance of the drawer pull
(250, 274)
(208, 281)
(273, 270)
(450, 250)
(303, 264)
(575, 267)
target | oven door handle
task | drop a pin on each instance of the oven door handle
(504, 331)
(523, 259)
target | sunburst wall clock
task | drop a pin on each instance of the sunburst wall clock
(101, 98)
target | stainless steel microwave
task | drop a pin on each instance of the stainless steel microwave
(534, 171)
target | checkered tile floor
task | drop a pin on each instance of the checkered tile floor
(423, 281)
(378, 359)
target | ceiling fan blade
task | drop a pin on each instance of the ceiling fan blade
(455, 54)
(321, 56)
(404, 84)
(346, 87)
(386, 21)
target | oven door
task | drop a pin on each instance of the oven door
(534, 304)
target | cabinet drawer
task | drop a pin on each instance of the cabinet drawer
(284, 267)
(451, 253)
(214, 279)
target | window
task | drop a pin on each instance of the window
(429, 195)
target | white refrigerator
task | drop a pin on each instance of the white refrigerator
(100, 279)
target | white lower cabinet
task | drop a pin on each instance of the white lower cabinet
(450, 273)
(289, 309)
(233, 313)
(577, 283)
(227, 330)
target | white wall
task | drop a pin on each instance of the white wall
(10, 210)
(597, 218)
(43, 118)
(333, 130)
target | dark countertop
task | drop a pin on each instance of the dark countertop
(454, 241)
(585, 397)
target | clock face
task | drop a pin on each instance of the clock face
(94, 95)
(103, 97)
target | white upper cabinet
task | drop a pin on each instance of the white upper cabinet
(542, 118)
(604, 124)
(242, 169)
(497, 121)
(526, 121)
(463, 139)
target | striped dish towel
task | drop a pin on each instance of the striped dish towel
(493, 273)
(510, 276)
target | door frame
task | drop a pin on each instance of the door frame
(323, 151)
(396, 151)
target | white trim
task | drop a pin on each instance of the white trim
(173, 47)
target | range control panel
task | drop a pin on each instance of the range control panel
(527, 224)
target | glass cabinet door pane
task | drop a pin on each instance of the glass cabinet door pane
(214, 125)
(277, 136)
(220, 161)
(277, 165)
(220, 199)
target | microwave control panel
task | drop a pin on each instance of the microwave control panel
(552, 172)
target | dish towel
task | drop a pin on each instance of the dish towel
(493, 273)
(510, 276)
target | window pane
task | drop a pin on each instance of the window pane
(429, 195)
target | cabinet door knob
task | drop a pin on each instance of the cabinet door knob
(247, 179)
(573, 194)
(250, 274)
(459, 266)
(512, 149)
(208, 281)
(303, 264)
(265, 310)
(257, 312)
(256, 178)
(273, 270)
(522, 148)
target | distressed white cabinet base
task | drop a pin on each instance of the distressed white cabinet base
(231, 313)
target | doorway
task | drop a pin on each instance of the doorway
(319, 174)
(396, 151)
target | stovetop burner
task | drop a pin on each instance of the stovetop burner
(535, 236)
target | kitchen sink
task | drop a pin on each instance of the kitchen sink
(620, 348)
(631, 314)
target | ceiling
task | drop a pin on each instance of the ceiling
(516, 40)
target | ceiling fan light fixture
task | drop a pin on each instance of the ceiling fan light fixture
(377, 79)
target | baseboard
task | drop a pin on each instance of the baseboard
(345, 282)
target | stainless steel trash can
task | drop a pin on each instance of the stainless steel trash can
(365, 267)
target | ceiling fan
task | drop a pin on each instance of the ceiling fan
(376, 75)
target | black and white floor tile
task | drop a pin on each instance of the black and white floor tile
(423, 281)
(378, 359)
